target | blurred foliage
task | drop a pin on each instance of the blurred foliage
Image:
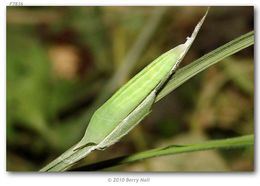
(60, 58)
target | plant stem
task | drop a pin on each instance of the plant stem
(229, 143)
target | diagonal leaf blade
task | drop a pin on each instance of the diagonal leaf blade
(206, 61)
(235, 142)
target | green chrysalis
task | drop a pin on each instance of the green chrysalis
(140, 91)
(127, 107)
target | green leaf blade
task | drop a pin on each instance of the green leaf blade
(230, 143)
(206, 61)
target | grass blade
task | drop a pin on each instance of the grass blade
(236, 142)
(206, 61)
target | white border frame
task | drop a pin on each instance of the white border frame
(69, 179)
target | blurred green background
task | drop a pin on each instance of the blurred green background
(63, 62)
